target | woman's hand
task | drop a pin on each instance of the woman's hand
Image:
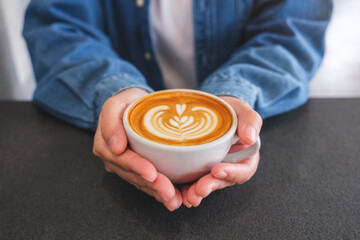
(227, 174)
(110, 145)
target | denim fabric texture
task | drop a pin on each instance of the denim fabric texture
(262, 51)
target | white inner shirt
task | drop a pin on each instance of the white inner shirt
(172, 34)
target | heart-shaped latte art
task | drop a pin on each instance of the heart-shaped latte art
(185, 123)
(180, 117)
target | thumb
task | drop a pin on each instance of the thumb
(111, 118)
(249, 121)
(111, 125)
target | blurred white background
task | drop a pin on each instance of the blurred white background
(339, 75)
(16, 75)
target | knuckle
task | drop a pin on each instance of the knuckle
(246, 178)
(103, 109)
(254, 119)
(95, 152)
(108, 102)
(106, 106)
(258, 119)
(137, 186)
(257, 116)
(108, 169)
(95, 146)
(158, 198)
(143, 188)
(240, 179)
(244, 105)
(254, 115)
(133, 159)
(97, 137)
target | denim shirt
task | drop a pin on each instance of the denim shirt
(261, 51)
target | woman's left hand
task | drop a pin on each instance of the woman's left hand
(228, 174)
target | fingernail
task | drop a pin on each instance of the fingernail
(165, 198)
(173, 206)
(221, 175)
(210, 189)
(113, 143)
(250, 132)
(197, 204)
(148, 178)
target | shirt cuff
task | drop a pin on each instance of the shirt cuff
(113, 85)
(234, 86)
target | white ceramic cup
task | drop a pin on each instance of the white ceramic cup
(183, 164)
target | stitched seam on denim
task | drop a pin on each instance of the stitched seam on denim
(133, 86)
(240, 83)
(123, 76)
(238, 87)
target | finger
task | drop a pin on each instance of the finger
(171, 204)
(112, 118)
(249, 121)
(237, 147)
(162, 185)
(132, 162)
(184, 192)
(150, 192)
(98, 140)
(112, 129)
(192, 197)
(128, 160)
(208, 184)
(130, 177)
(236, 172)
(249, 124)
(135, 180)
(175, 202)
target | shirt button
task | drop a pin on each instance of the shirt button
(140, 3)
(147, 56)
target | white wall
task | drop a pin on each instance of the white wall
(339, 75)
(17, 78)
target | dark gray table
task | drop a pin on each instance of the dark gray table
(307, 185)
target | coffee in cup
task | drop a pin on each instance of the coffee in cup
(180, 118)
(183, 133)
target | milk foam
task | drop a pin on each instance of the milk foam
(187, 124)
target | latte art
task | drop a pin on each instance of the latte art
(185, 125)
(180, 118)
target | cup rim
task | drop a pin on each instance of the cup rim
(229, 134)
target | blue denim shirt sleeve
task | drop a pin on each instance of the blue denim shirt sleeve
(77, 67)
(283, 49)
(63, 36)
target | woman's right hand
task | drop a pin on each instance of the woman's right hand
(111, 146)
